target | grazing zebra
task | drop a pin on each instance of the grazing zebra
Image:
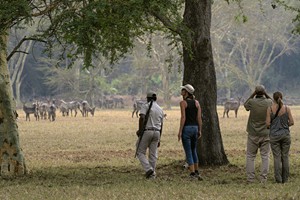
(86, 108)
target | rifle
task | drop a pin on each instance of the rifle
(141, 132)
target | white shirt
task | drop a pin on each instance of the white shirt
(156, 115)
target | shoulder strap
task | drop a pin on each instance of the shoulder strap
(147, 114)
(277, 111)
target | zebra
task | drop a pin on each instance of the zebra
(43, 108)
(66, 107)
(118, 102)
(232, 105)
(86, 108)
(31, 110)
(137, 105)
(52, 112)
(74, 105)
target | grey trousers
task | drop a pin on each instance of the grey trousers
(280, 147)
(253, 144)
(149, 140)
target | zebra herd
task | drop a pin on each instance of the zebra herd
(43, 110)
(47, 110)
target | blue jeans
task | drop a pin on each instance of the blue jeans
(189, 141)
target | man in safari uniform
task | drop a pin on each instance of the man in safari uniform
(258, 134)
(150, 138)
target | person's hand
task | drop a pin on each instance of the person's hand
(179, 136)
(199, 134)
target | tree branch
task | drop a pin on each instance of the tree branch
(166, 22)
(48, 9)
(15, 50)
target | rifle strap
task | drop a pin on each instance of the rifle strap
(144, 127)
(147, 115)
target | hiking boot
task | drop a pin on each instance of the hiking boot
(194, 176)
(153, 176)
(149, 173)
(198, 174)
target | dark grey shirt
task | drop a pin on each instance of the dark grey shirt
(280, 124)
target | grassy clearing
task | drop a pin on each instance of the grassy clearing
(92, 158)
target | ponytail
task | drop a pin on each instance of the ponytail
(279, 102)
(277, 96)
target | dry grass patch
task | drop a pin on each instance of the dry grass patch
(93, 158)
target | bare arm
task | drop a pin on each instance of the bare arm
(199, 118)
(182, 118)
(291, 120)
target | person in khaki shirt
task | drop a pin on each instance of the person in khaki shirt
(258, 134)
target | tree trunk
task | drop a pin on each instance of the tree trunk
(199, 71)
(12, 161)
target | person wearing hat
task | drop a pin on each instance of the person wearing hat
(151, 126)
(258, 134)
(279, 119)
(190, 128)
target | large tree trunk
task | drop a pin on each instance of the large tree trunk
(199, 71)
(12, 161)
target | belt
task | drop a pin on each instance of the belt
(151, 129)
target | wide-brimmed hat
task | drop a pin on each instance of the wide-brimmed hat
(189, 88)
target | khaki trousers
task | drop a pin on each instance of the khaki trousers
(149, 140)
(253, 144)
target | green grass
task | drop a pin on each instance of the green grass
(93, 158)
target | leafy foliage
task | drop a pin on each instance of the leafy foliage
(105, 27)
(13, 12)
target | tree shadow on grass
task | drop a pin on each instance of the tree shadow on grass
(111, 175)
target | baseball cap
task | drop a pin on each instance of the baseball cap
(151, 94)
(260, 89)
(189, 88)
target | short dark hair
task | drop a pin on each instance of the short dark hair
(154, 98)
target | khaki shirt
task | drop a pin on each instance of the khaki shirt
(257, 119)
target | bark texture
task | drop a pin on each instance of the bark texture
(199, 71)
(12, 161)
